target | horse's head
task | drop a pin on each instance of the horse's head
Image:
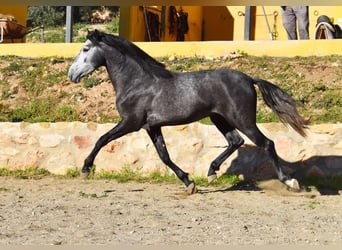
(90, 58)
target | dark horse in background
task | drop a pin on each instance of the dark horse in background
(149, 96)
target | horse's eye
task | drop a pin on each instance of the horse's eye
(85, 49)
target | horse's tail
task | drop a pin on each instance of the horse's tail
(282, 105)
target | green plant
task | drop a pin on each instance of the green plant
(186, 64)
(27, 173)
(113, 26)
(227, 179)
(55, 36)
(126, 174)
(65, 113)
(243, 53)
(72, 173)
(43, 110)
(46, 15)
(223, 180)
(90, 81)
(313, 204)
(158, 177)
(6, 94)
(13, 67)
(206, 121)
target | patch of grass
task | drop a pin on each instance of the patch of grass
(65, 113)
(13, 66)
(27, 173)
(242, 52)
(36, 74)
(55, 77)
(313, 204)
(222, 181)
(266, 115)
(6, 93)
(29, 79)
(91, 81)
(187, 64)
(72, 173)
(227, 179)
(43, 110)
(52, 34)
(127, 174)
(321, 103)
(158, 177)
(206, 121)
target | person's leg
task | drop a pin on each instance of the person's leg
(303, 21)
(289, 22)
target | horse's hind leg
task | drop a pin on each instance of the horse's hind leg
(234, 142)
(159, 143)
(262, 141)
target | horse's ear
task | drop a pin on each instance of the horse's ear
(94, 35)
(93, 32)
(97, 34)
(90, 34)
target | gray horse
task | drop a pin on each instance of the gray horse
(149, 96)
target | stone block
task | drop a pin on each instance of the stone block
(51, 140)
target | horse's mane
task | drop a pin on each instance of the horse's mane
(128, 49)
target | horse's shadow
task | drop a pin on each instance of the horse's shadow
(323, 172)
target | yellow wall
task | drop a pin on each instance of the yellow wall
(132, 23)
(218, 23)
(19, 13)
(211, 49)
(224, 22)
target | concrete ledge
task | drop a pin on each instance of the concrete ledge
(187, 49)
(59, 146)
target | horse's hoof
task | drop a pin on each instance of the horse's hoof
(293, 184)
(84, 176)
(211, 178)
(191, 189)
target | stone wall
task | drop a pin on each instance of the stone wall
(63, 145)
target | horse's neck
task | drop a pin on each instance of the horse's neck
(123, 77)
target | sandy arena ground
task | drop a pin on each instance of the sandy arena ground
(55, 211)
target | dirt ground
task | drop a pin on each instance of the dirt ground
(56, 211)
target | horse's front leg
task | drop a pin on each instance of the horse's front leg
(121, 129)
(159, 143)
